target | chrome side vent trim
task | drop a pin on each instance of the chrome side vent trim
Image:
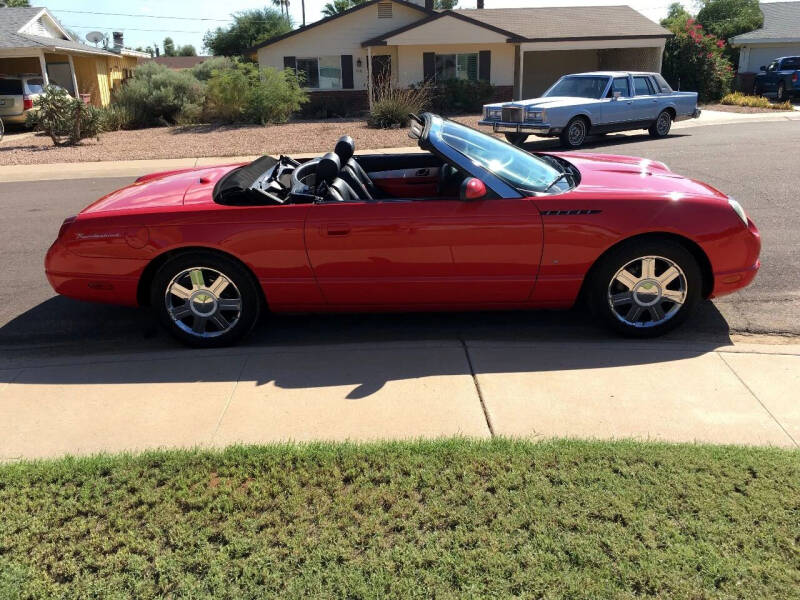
(561, 213)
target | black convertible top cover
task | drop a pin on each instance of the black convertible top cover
(235, 184)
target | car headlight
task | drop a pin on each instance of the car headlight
(737, 208)
(535, 115)
(494, 113)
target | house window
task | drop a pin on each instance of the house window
(384, 10)
(323, 72)
(457, 66)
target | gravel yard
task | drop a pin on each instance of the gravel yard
(739, 109)
(206, 140)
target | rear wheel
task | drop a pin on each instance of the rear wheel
(517, 139)
(662, 125)
(205, 300)
(781, 92)
(645, 289)
(574, 133)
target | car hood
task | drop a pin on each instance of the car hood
(630, 176)
(158, 190)
(548, 102)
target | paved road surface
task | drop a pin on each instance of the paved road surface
(757, 163)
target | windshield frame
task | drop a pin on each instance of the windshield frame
(433, 140)
(602, 95)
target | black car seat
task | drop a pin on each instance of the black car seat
(332, 187)
(352, 172)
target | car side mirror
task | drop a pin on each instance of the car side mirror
(763, 68)
(472, 188)
(616, 96)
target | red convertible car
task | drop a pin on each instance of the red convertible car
(469, 222)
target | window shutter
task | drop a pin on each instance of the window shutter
(429, 65)
(289, 62)
(347, 71)
(485, 65)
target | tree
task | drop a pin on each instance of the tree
(728, 18)
(677, 16)
(187, 50)
(14, 3)
(336, 7)
(249, 28)
(283, 5)
(169, 47)
(445, 4)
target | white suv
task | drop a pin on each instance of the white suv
(17, 94)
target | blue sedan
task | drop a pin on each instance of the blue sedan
(592, 103)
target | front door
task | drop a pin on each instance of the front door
(381, 70)
(418, 252)
(616, 111)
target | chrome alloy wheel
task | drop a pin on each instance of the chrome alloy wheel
(577, 132)
(663, 123)
(647, 291)
(203, 302)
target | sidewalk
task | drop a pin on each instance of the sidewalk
(738, 394)
(135, 168)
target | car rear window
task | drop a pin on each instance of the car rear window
(791, 63)
(10, 87)
(662, 83)
(35, 86)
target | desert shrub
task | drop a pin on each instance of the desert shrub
(274, 97)
(740, 99)
(694, 60)
(156, 95)
(65, 119)
(115, 117)
(205, 69)
(239, 92)
(453, 96)
(392, 105)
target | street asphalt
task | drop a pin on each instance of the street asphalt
(757, 163)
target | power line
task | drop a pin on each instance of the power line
(132, 29)
(89, 12)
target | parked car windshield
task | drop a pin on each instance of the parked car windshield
(509, 163)
(579, 86)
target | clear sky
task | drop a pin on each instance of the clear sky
(150, 25)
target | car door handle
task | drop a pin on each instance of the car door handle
(422, 173)
(337, 228)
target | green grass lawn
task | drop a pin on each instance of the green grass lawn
(450, 519)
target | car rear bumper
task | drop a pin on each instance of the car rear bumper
(694, 115)
(506, 127)
(14, 119)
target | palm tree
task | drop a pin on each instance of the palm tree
(336, 6)
(283, 5)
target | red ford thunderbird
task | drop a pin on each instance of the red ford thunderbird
(469, 222)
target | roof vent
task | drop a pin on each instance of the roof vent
(384, 10)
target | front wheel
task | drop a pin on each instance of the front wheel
(205, 300)
(662, 125)
(574, 133)
(516, 139)
(645, 289)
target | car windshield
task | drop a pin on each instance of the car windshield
(579, 86)
(516, 167)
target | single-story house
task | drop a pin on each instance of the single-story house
(521, 51)
(179, 63)
(33, 41)
(779, 36)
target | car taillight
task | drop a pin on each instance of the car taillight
(794, 77)
(65, 225)
(27, 103)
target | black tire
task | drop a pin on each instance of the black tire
(661, 126)
(781, 92)
(240, 285)
(756, 89)
(517, 139)
(603, 286)
(575, 133)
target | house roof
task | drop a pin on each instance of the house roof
(357, 7)
(781, 22)
(565, 23)
(12, 19)
(180, 62)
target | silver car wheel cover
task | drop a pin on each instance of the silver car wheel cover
(203, 302)
(576, 133)
(647, 291)
(662, 126)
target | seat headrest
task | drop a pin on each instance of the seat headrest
(328, 168)
(345, 148)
